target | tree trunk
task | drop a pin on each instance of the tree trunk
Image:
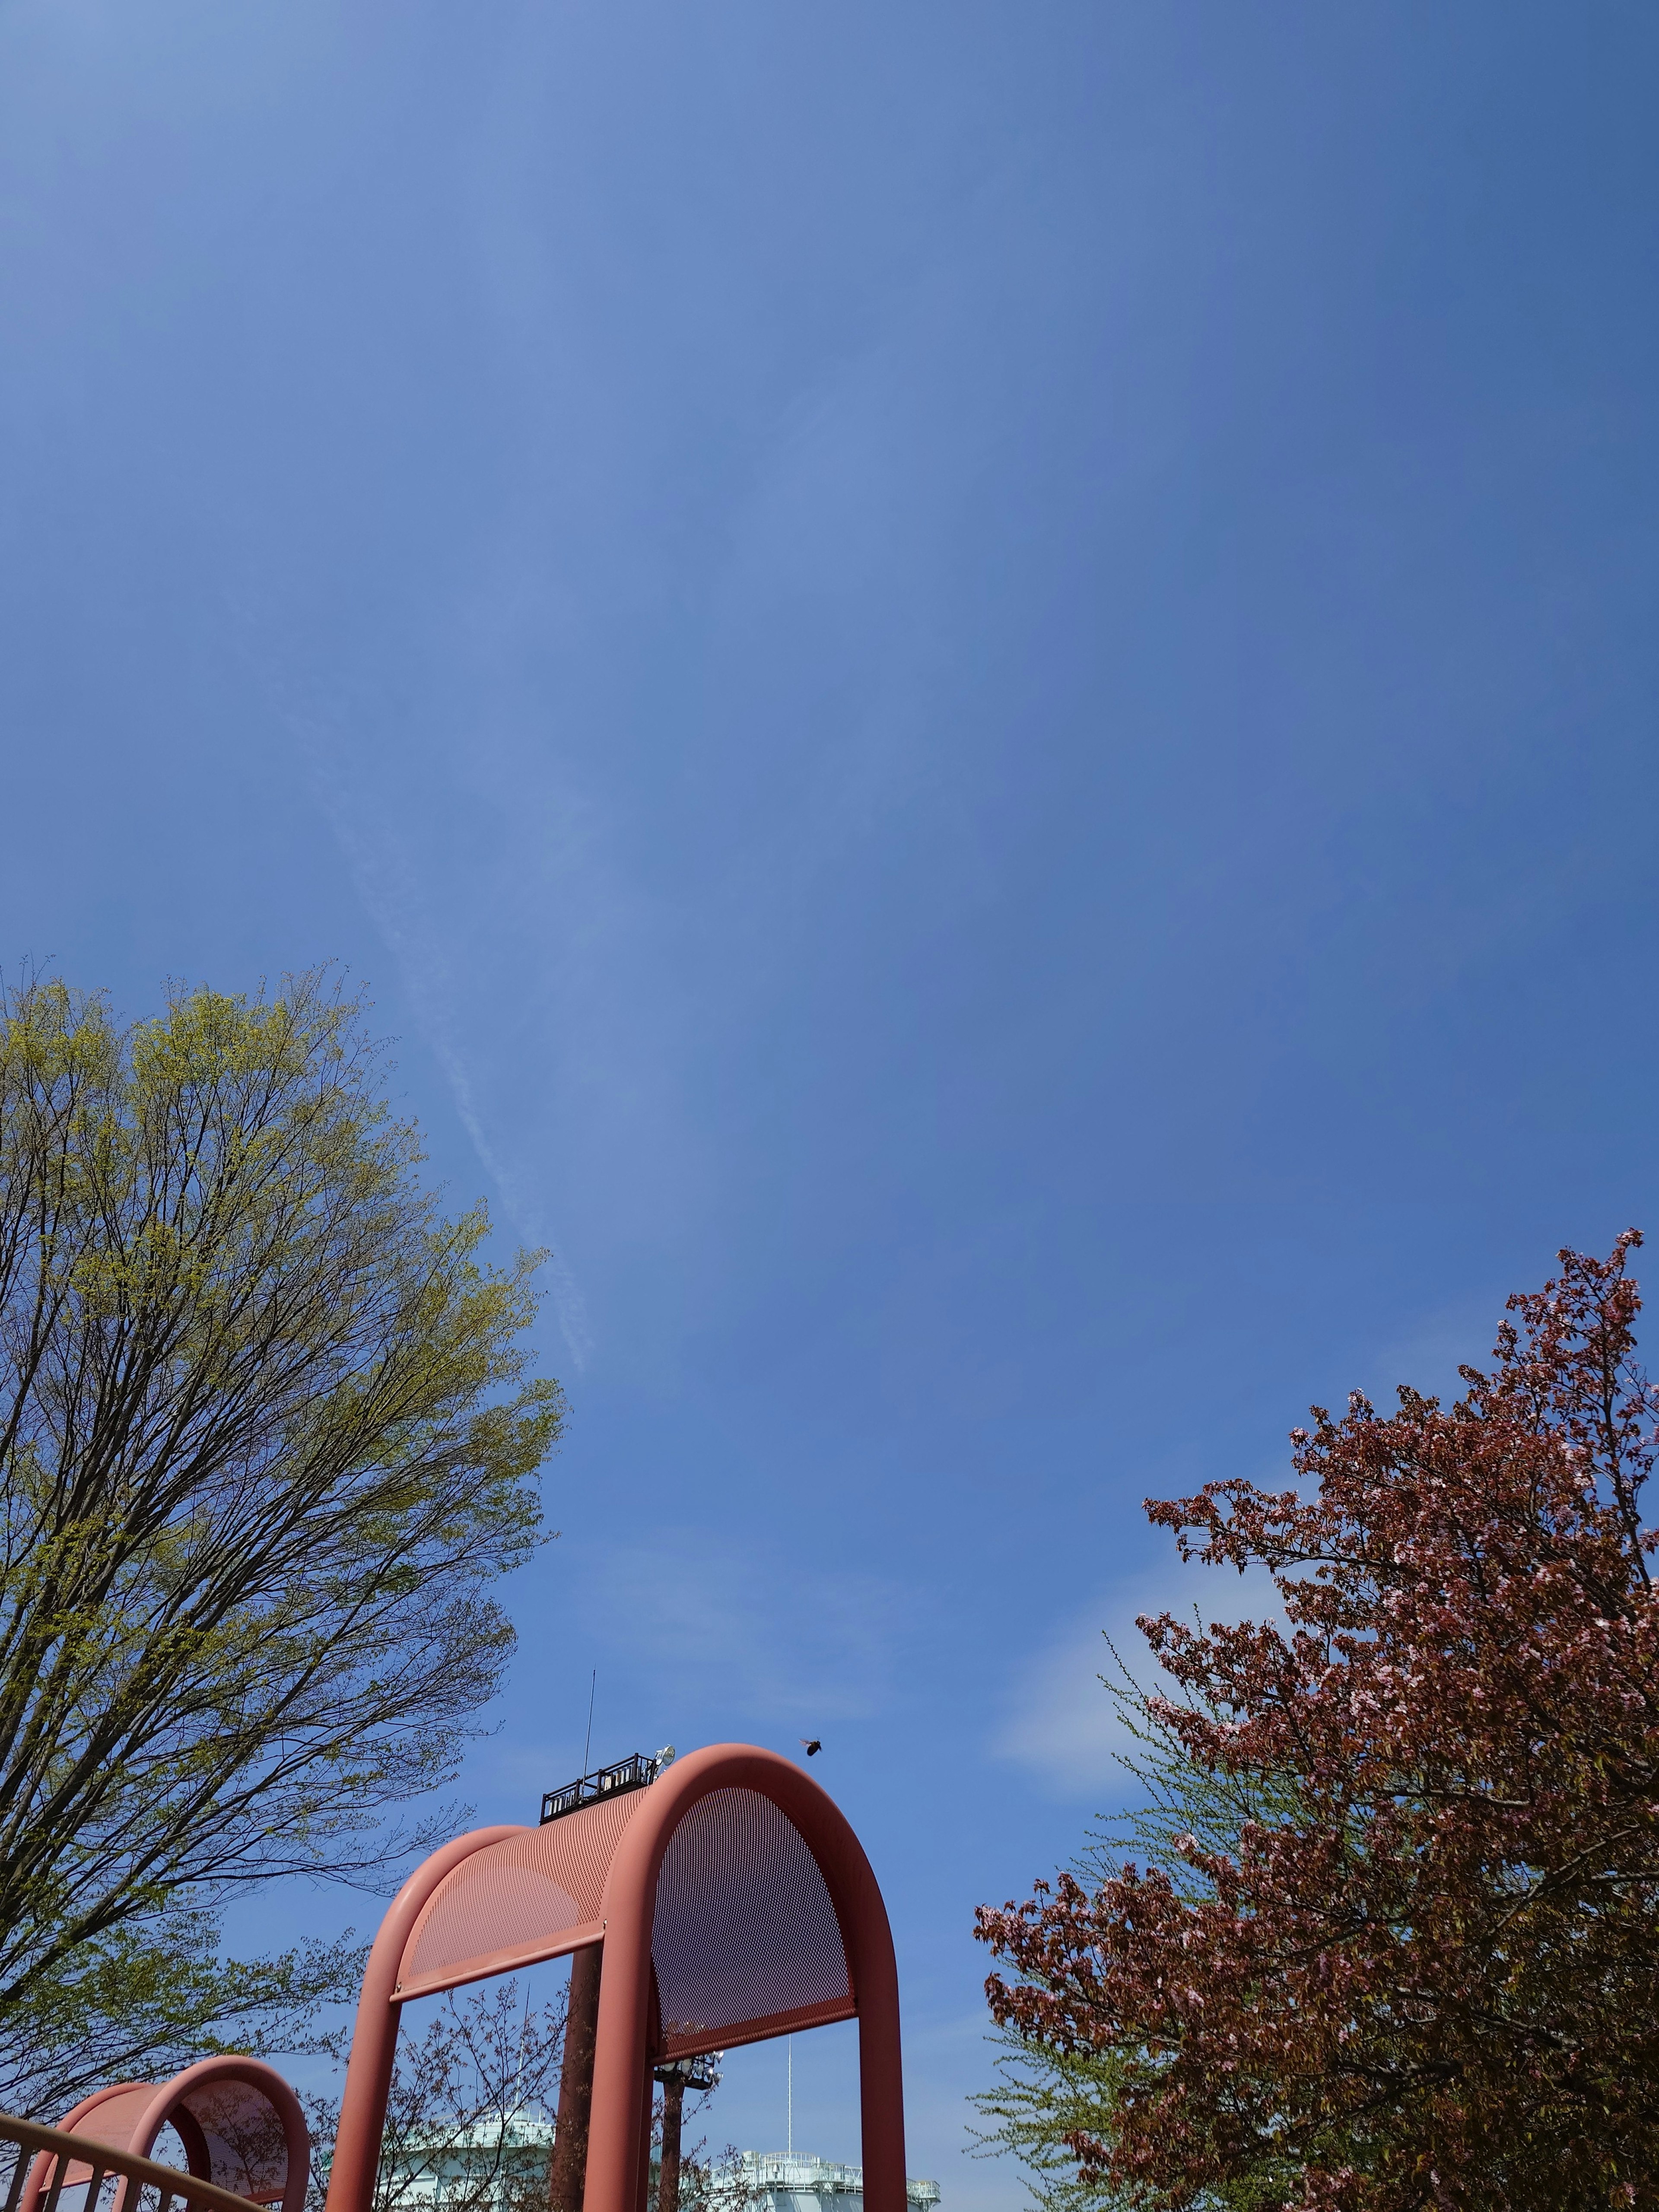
(567, 2170)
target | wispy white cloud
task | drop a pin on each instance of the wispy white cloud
(437, 969)
(772, 1638)
(1431, 1346)
(1059, 1720)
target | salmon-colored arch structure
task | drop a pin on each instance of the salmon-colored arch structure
(239, 2122)
(729, 1901)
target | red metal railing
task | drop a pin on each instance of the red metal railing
(78, 2164)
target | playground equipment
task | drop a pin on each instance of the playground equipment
(723, 1901)
(243, 2133)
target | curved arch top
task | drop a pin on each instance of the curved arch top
(239, 2122)
(630, 1912)
(746, 1941)
(748, 1930)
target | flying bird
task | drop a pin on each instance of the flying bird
(812, 1744)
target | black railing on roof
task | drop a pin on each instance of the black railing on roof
(635, 1773)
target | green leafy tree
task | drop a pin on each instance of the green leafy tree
(146, 1998)
(267, 1435)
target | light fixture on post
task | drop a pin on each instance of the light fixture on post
(676, 2076)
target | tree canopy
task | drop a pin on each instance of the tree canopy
(1422, 1972)
(267, 1435)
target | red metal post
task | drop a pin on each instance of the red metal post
(620, 2078)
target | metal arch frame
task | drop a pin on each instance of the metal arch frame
(166, 2108)
(620, 2118)
(614, 2174)
(374, 2038)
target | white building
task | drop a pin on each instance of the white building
(774, 2181)
(491, 2167)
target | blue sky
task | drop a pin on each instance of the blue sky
(976, 685)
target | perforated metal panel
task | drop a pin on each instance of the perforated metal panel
(247, 2150)
(528, 1897)
(112, 2119)
(745, 1943)
(241, 2132)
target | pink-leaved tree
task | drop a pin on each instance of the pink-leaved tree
(1430, 1976)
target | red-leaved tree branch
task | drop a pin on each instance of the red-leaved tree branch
(1433, 1978)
